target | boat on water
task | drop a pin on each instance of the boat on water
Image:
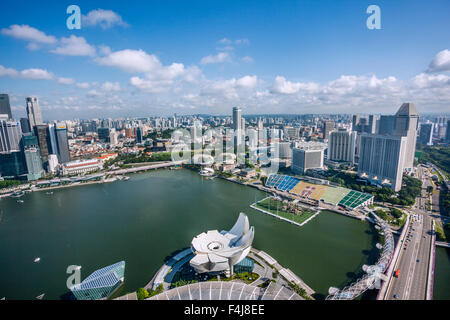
(39, 297)
(20, 201)
(37, 259)
(17, 194)
(206, 172)
(51, 192)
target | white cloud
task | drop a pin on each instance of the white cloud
(110, 86)
(242, 41)
(104, 50)
(33, 46)
(231, 89)
(66, 81)
(105, 18)
(225, 41)
(283, 86)
(247, 59)
(8, 72)
(94, 93)
(25, 32)
(150, 85)
(218, 58)
(74, 46)
(441, 62)
(131, 61)
(83, 85)
(36, 74)
(247, 81)
(424, 80)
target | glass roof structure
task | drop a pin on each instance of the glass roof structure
(101, 283)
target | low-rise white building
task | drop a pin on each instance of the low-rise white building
(81, 166)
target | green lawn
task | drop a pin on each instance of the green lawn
(270, 205)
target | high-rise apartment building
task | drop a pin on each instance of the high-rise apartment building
(34, 112)
(341, 145)
(382, 159)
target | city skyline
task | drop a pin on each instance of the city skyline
(159, 59)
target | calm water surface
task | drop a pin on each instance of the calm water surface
(145, 219)
(441, 286)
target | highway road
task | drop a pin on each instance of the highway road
(415, 253)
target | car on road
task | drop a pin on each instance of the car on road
(395, 296)
(418, 260)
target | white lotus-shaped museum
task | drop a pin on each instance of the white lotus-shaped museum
(220, 251)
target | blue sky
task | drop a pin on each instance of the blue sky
(143, 58)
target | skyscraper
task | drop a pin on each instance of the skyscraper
(355, 122)
(5, 107)
(447, 134)
(25, 124)
(103, 134)
(12, 164)
(364, 125)
(41, 132)
(341, 145)
(237, 116)
(139, 135)
(426, 133)
(237, 126)
(382, 158)
(53, 146)
(34, 112)
(307, 156)
(386, 124)
(32, 157)
(372, 127)
(63, 143)
(406, 125)
(10, 135)
(328, 126)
